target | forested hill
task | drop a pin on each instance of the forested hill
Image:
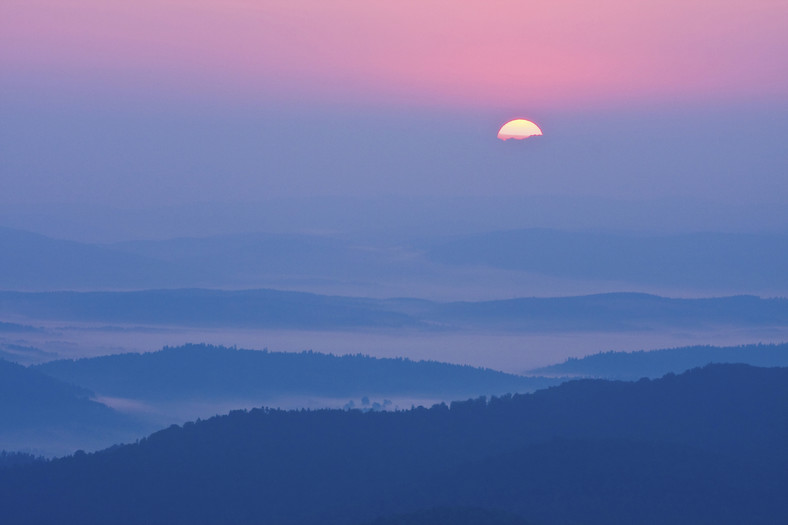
(707, 446)
(213, 372)
(656, 363)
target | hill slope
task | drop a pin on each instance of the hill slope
(39, 412)
(708, 446)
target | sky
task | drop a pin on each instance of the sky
(648, 107)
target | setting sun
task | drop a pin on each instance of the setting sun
(518, 129)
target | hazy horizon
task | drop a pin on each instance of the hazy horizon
(103, 174)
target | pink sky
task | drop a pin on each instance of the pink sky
(496, 53)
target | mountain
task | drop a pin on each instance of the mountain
(38, 263)
(613, 312)
(41, 413)
(35, 262)
(281, 309)
(204, 372)
(712, 261)
(704, 263)
(706, 446)
(255, 259)
(200, 307)
(656, 363)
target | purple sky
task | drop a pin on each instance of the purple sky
(152, 105)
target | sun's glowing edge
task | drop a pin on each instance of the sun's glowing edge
(519, 129)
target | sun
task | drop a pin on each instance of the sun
(519, 129)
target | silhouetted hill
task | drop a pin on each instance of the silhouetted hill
(707, 446)
(35, 262)
(279, 309)
(656, 363)
(698, 260)
(205, 372)
(39, 412)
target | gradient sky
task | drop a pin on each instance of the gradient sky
(554, 54)
(169, 102)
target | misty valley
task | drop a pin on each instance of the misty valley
(139, 383)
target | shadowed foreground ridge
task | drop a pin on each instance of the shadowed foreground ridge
(707, 446)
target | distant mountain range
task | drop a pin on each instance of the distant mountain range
(706, 446)
(656, 363)
(32, 261)
(296, 310)
(705, 262)
(691, 261)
